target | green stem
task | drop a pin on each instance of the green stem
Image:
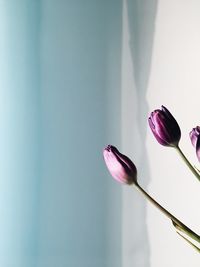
(189, 242)
(187, 230)
(188, 163)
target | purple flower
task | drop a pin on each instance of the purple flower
(194, 134)
(120, 166)
(164, 127)
(195, 139)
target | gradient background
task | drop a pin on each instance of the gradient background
(75, 76)
(55, 195)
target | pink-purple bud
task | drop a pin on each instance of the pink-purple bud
(164, 127)
(195, 139)
(120, 166)
(194, 134)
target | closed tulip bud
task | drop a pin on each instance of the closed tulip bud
(194, 134)
(120, 166)
(198, 149)
(195, 139)
(164, 127)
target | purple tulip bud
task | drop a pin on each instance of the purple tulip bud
(120, 167)
(195, 139)
(198, 149)
(194, 134)
(164, 127)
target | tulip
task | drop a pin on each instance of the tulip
(164, 127)
(198, 149)
(124, 171)
(167, 132)
(194, 134)
(120, 166)
(195, 139)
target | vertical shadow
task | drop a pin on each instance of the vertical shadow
(141, 19)
(141, 23)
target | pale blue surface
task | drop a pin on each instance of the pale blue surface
(19, 133)
(59, 83)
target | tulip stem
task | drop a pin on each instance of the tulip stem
(184, 228)
(188, 163)
(189, 242)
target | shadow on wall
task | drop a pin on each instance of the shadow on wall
(141, 23)
(141, 20)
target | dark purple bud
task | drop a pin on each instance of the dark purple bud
(195, 139)
(198, 148)
(164, 127)
(120, 166)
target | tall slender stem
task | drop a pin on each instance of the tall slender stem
(188, 163)
(186, 229)
(189, 242)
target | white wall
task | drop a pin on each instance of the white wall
(161, 63)
(174, 82)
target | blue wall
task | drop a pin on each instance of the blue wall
(19, 132)
(60, 104)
